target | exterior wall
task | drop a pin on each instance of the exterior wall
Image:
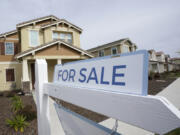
(161, 58)
(46, 35)
(108, 47)
(161, 68)
(153, 56)
(57, 50)
(75, 34)
(170, 67)
(25, 37)
(107, 51)
(11, 38)
(153, 67)
(18, 73)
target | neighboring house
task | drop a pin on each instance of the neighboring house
(176, 62)
(153, 62)
(50, 38)
(169, 66)
(161, 60)
(113, 48)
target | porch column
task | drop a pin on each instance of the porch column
(59, 61)
(25, 71)
(25, 76)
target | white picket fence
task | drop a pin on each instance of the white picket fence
(152, 113)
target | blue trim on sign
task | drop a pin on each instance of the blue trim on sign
(145, 74)
(85, 119)
(145, 66)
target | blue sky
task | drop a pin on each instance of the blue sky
(151, 24)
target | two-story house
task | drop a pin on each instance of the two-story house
(153, 62)
(113, 48)
(176, 63)
(161, 60)
(169, 66)
(50, 38)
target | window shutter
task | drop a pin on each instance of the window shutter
(2, 48)
(16, 46)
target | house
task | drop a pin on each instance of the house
(113, 48)
(161, 60)
(50, 38)
(153, 62)
(176, 62)
(169, 66)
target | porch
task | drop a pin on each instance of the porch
(28, 74)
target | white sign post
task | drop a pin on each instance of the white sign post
(115, 86)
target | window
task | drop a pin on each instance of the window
(9, 48)
(34, 38)
(10, 77)
(114, 51)
(101, 53)
(125, 48)
(63, 36)
(67, 37)
(55, 35)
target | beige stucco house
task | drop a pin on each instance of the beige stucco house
(176, 62)
(160, 62)
(153, 62)
(50, 38)
(113, 48)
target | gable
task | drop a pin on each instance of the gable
(57, 50)
(42, 20)
(49, 49)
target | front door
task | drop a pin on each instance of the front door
(33, 74)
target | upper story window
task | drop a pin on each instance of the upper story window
(55, 35)
(114, 51)
(101, 53)
(9, 48)
(125, 48)
(34, 37)
(63, 36)
(67, 37)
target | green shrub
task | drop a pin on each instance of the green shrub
(17, 104)
(28, 112)
(18, 123)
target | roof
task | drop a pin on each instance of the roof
(30, 51)
(151, 50)
(8, 33)
(62, 21)
(177, 58)
(109, 45)
(57, 21)
(37, 20)
(159, 53)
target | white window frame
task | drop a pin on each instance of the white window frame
(63, 32)
(30, 37)
(113, 49)
(5, 48)
(99, 53)
(53, 35)
(14, 75)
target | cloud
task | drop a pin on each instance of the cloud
(150, 24)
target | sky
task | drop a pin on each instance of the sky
(150, 24)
